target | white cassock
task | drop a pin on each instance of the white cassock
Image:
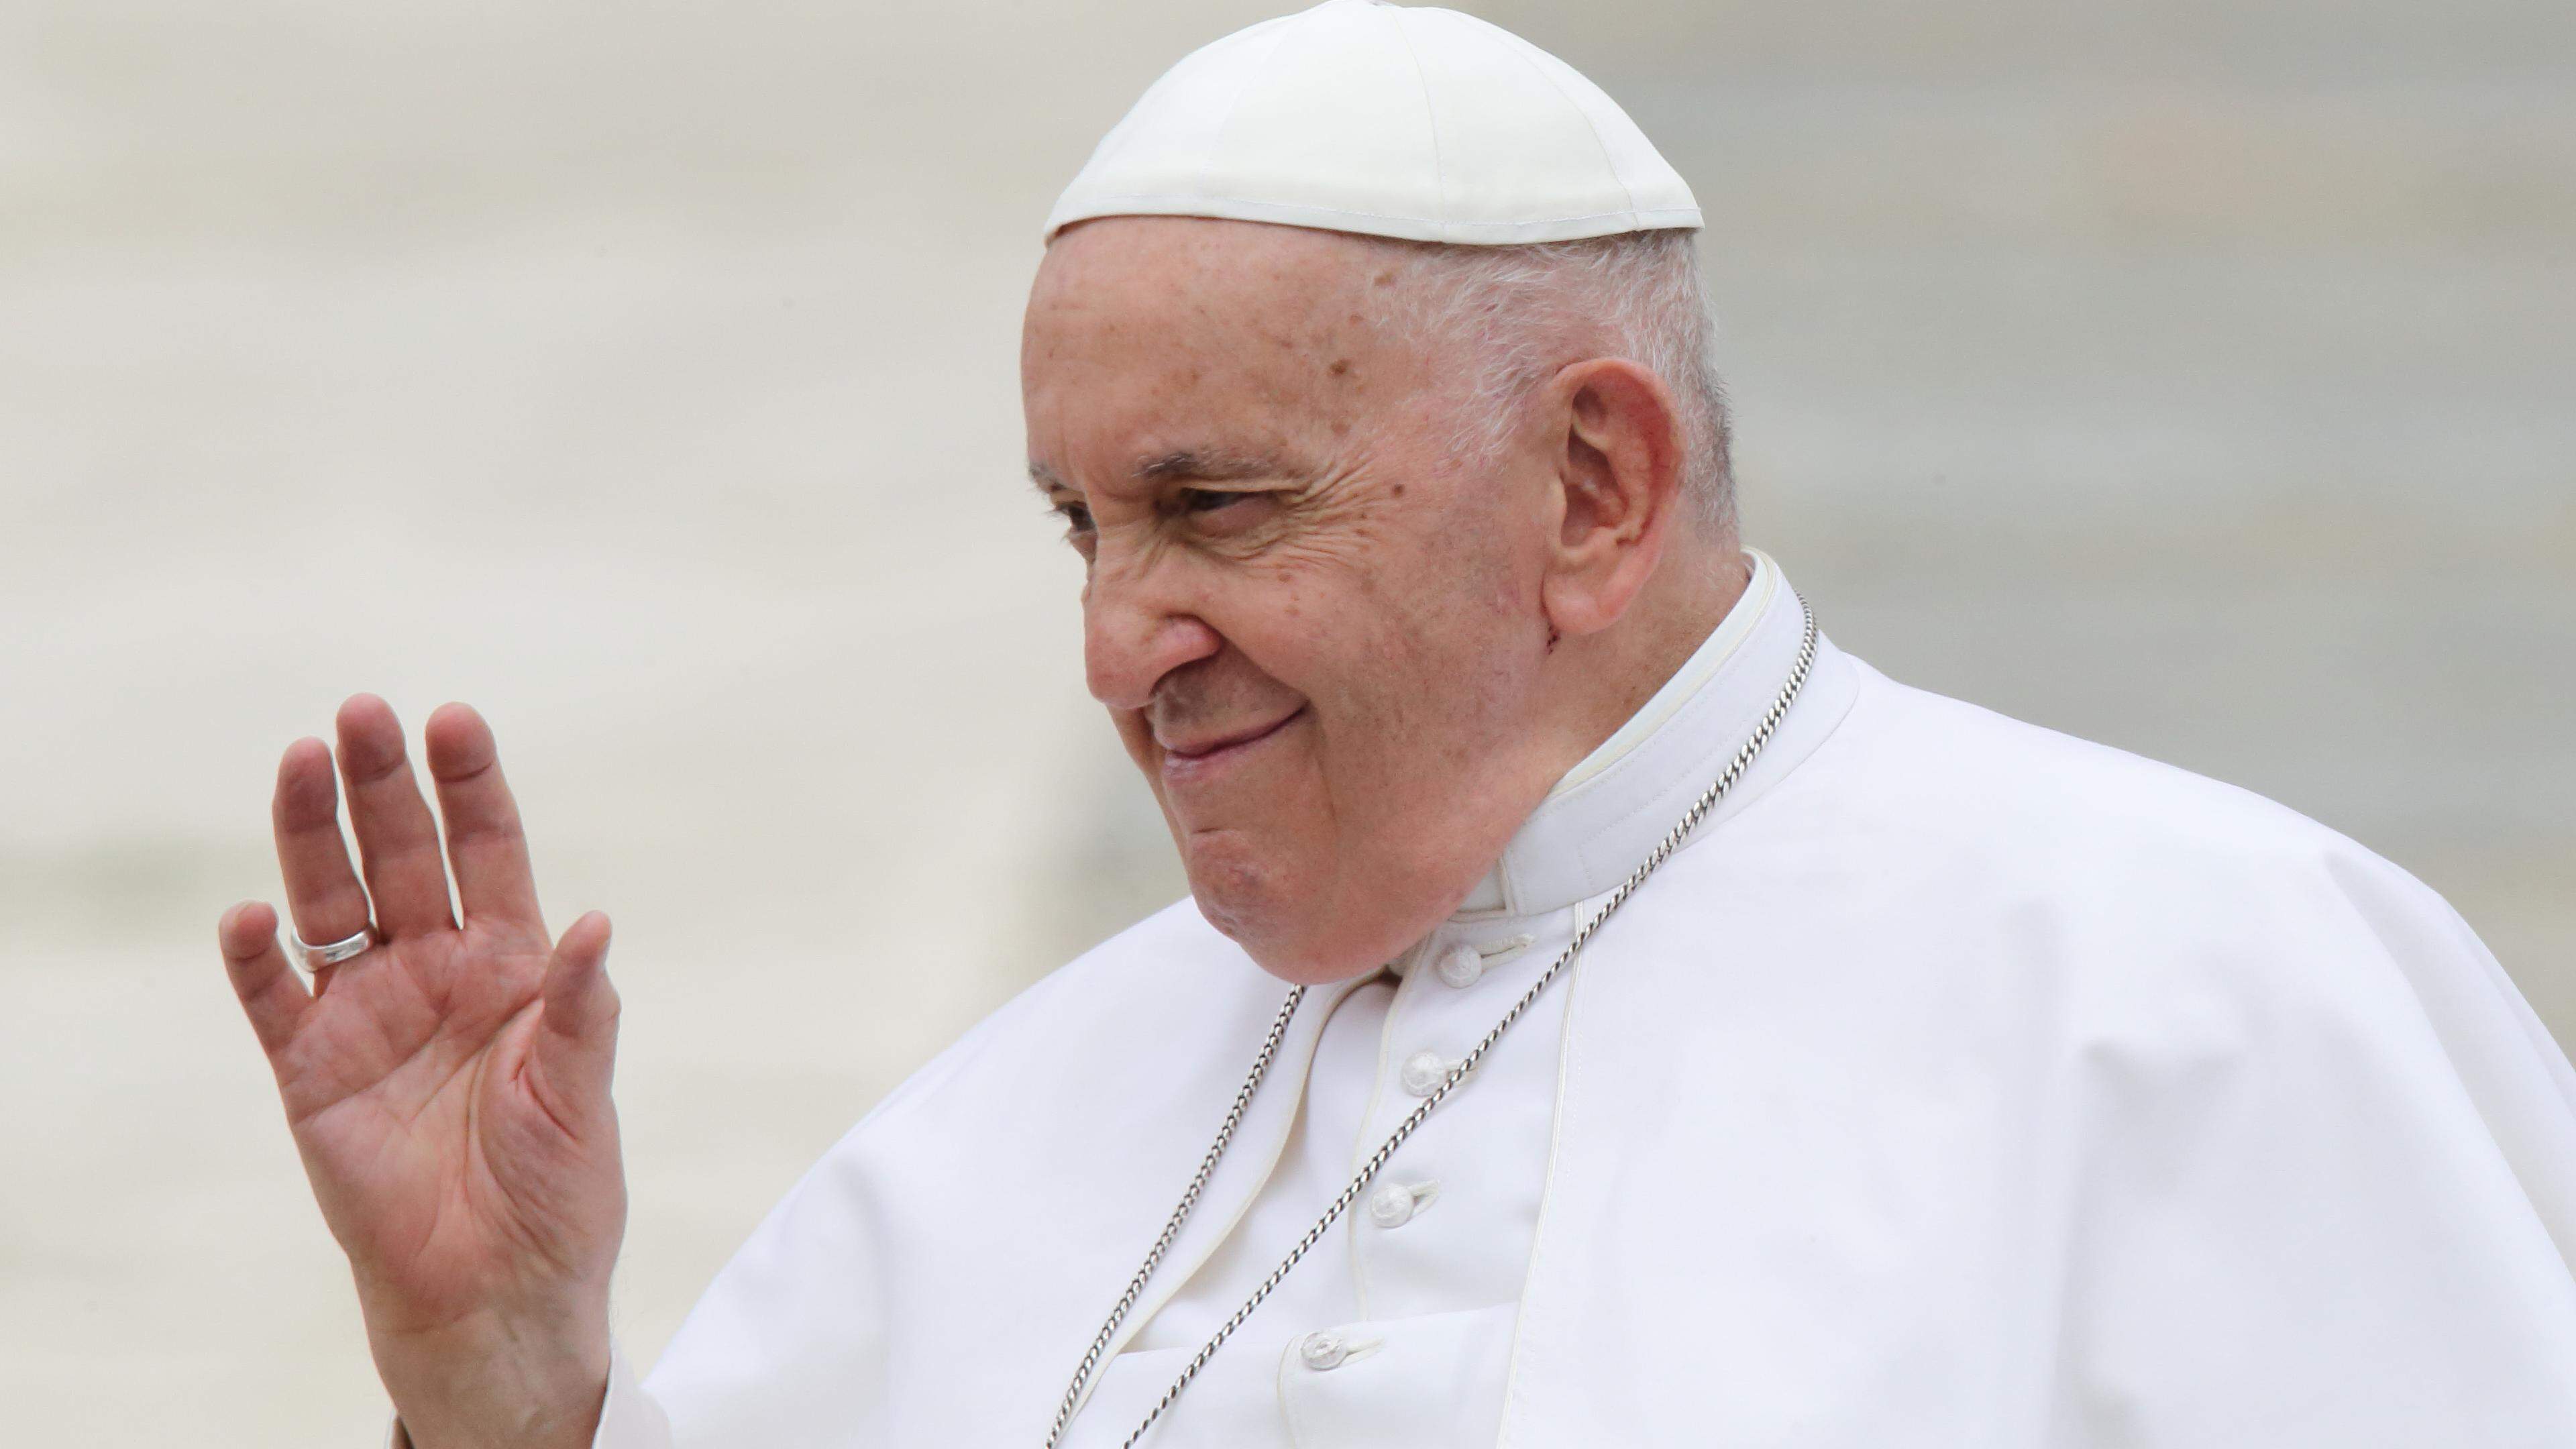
(1959, 1084)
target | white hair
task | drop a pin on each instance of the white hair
(1522, 312)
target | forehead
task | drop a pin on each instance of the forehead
(1149, 336)
(1175, 265)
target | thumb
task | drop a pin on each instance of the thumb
(576, 1042)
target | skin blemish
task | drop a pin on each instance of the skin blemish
(1340, 366)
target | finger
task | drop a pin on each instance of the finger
(270, 995)
(484, 841)
(576, 1045)
(322, 891)
(397, 839)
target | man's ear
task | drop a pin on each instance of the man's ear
(1615, 438)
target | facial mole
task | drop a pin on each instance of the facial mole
(1340, 365)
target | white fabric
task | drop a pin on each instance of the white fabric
(1396, 121)
(1960, 1083)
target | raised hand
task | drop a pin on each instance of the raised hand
(449, 1087)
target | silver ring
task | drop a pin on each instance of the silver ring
(310, 958)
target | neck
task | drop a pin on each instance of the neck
(1602, 679)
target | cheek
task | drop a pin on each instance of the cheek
(1413, 653)
(1289, 623)
(1454, 684)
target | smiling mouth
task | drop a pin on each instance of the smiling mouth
(1226, 745)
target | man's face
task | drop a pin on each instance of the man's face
(1318, 632)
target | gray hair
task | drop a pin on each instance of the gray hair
(1522, 312)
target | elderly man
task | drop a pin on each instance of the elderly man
(1691, 1035)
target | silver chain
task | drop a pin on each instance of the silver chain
(1439, 1093)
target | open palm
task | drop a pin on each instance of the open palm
(449, 1087)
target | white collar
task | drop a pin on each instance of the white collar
(1606, 814)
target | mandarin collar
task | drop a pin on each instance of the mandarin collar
(1606, 815)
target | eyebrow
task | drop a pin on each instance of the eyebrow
(1210, 465)
(1206, 465)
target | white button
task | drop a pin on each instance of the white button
(1461, 965)
(1323, 1351)
(1391, 1206)
(1423, 1071)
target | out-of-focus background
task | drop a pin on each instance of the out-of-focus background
(2193, 375)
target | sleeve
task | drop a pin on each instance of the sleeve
(628, 1417)
(2328, 1192)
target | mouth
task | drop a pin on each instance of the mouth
(1200, 757)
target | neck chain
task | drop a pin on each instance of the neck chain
(1359, 1182)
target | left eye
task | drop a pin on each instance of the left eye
(1206, 500)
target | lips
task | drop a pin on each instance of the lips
(1194, 754)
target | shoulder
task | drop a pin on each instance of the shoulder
(2015, 795)
(2160, 936)
(2133, 884)
(1151, 991)
(1005, 1169)
(1162, 1012)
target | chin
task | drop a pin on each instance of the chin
(1250, 904)
(1290, 932)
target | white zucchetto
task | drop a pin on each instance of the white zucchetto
(1397, 121)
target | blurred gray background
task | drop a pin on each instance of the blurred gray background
(2193, 375)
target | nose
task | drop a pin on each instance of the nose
(1135, 630)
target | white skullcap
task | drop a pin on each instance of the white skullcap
(1362, 116)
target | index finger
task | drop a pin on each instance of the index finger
(485, 846)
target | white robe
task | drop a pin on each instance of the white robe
(1960, 1083)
